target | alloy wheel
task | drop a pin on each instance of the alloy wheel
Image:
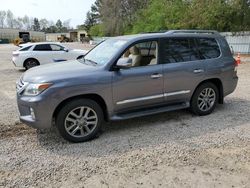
(206, 99)
(81, 121)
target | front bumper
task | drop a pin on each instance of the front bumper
(13, 63)
(42, 117)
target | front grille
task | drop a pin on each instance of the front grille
(20, 86)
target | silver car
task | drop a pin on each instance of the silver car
(126, 77)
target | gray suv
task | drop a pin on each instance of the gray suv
(126, 77)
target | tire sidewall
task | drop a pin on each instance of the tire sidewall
(30, 60)
(194, 104)
(60, 119)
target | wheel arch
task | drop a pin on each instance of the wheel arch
(95, 97)
(218, 83)
(30, 58)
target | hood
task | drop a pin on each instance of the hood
(61, 71)
(78, 51)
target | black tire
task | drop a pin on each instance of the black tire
(29, 63)
(76, 106)
(198, 100)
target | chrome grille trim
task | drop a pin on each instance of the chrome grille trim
(20, 86)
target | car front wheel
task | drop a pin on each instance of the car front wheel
(204, 99)
(80, 120)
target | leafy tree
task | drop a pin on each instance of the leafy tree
(36, 25)
(66, 23)
(133, 16)
(97, 30)
(116, 15)
(44, 23)
(51, 29)
(10, 19)
(59, 25)
(89, 22)
(2, 18)
(26, 22)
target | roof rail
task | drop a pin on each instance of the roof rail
(150, 32)
(193, 32)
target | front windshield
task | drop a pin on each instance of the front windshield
(105, 51)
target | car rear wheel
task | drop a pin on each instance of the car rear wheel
(204, 99)
(80, 120)
(29, 63)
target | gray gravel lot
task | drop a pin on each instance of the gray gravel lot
(174, 149)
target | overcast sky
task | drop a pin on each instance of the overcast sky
(50, 9)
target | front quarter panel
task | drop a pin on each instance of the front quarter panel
(45, 104)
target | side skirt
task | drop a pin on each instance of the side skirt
(149, 111)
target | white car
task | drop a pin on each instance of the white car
(34, 54)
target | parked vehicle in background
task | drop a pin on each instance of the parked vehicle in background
(23, 38)
(97, 40)
(126, 77)
(34, 54)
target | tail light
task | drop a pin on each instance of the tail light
(236, 63)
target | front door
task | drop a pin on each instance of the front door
(58, 53)
(142, 84)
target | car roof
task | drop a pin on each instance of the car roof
(179, 33)
(37, 43)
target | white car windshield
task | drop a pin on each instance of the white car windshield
(105, 51)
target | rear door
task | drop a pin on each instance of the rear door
(183, 68)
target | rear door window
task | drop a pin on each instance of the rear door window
(180, 50)
(42, 47)
(208, 48)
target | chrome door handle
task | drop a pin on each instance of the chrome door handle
(154, 76)
(198, 70)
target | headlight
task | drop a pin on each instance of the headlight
(36, 89)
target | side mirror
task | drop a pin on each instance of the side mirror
(124, 63)
(66, 50)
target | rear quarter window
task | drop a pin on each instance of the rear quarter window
(25, 48)
(208, 48)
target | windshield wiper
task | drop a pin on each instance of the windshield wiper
(91, 61)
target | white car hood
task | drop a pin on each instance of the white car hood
(79, 51)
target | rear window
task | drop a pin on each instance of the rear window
(25, 48)
(180, 50)
(208, 48)
(42, 47)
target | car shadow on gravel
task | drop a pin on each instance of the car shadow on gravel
(151, 131)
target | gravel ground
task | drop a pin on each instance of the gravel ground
(174, 149)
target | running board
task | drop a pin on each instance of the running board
(150, 111)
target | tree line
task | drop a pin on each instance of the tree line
(8, 20)
(117, 17)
